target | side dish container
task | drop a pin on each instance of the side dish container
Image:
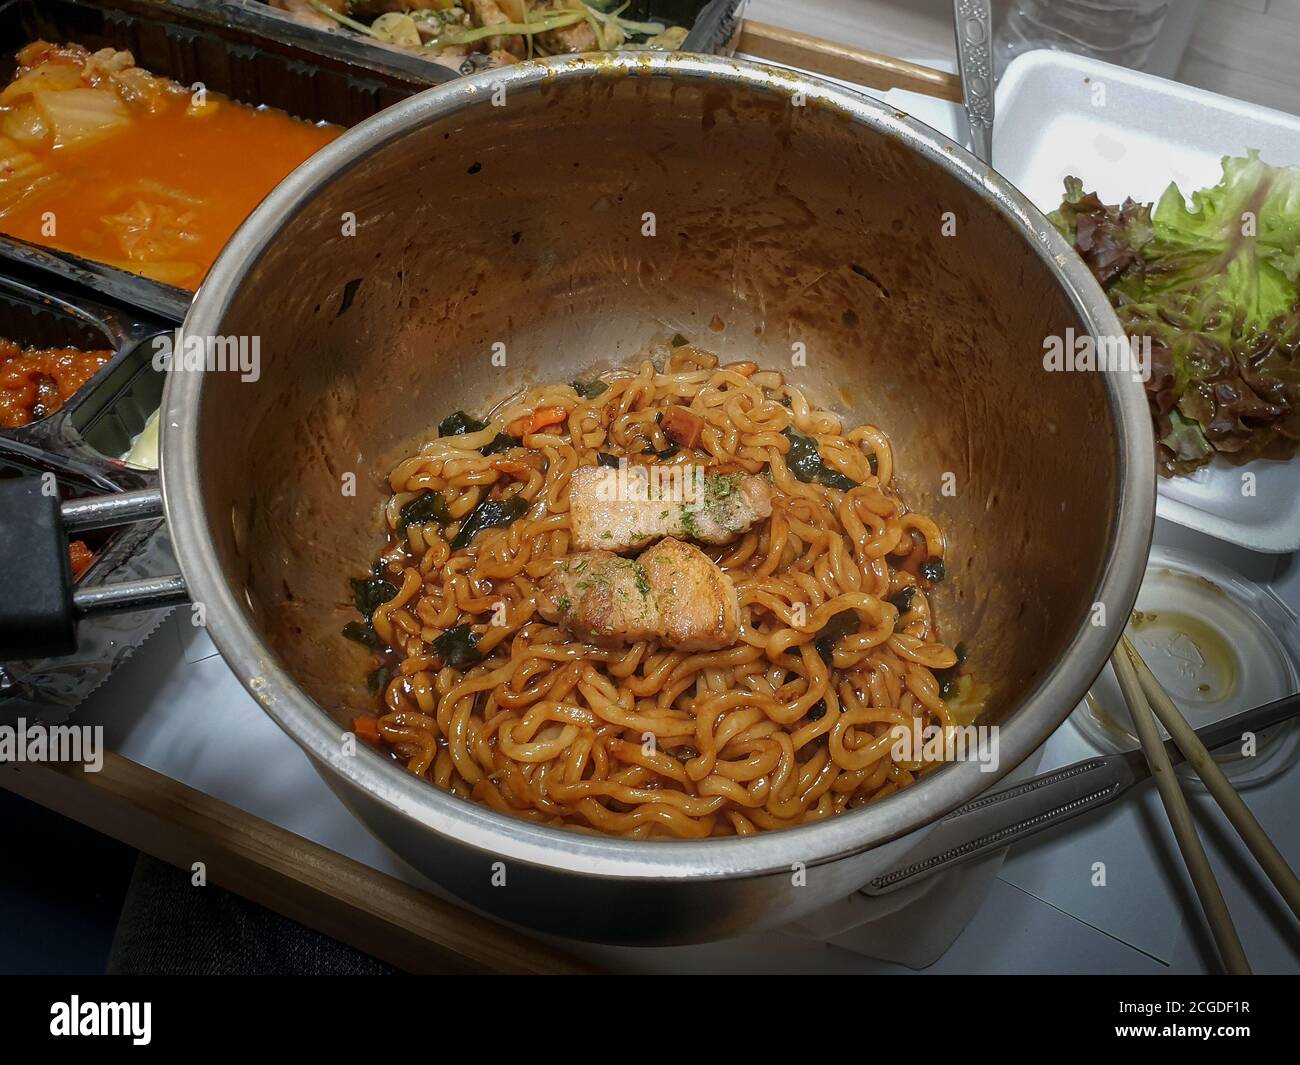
(223, 47)
(75, 451)
(712, 25)
(1125, 133)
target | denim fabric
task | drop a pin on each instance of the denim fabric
(169, 927)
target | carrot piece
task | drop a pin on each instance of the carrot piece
(518, 470)
(539, 419)
(544, 416)
(682, 426)
(366, 727)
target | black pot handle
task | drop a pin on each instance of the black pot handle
(39, 608)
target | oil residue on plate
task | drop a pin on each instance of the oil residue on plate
(1210, 650)
(1192, 659)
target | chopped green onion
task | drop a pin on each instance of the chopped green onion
(339, 17)
(510, 29)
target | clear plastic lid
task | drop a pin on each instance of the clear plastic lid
(1219, 644)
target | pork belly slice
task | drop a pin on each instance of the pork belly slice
(697, 603)
(600, 597)
(673, 594)
(624, 514)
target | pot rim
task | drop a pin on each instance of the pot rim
(498, 835)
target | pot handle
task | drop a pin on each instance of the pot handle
(39, 608)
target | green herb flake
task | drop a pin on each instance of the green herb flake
(489, 514)
(372, 593)
(805, 462)
(718, 486)
(590, 389)
(458, 647)
(424, 508)
(642, 581)
(458, 423)
(364, 634)
(499, 443)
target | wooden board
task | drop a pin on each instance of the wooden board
(870, 69)
(317, 887)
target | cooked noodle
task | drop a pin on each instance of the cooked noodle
(646, 741)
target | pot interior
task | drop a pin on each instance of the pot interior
(585, 216)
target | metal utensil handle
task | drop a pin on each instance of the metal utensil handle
(148, 593)
(1013, 814)
(108, 511)
(973, 22)
(40, 608)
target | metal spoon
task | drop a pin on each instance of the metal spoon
(973, 23)
(1015, 813)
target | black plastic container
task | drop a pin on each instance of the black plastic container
(222, 46)
(77, 447)
(98, 423)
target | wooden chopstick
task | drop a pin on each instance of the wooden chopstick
(1237, 812)
(857, 65)
(1180, 819)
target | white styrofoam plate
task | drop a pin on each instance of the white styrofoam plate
(1129, 134)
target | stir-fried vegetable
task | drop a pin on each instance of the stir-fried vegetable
(683, 426)
(424, 508)
(839, 626)
(458, 647)
(370, 594)
(490, 514)
(805, 462)
(500, 31)
(458, 423)
(902, 600)
(590, 389)
(366, 727)
(947, 678)
(537, 421)
(932, 570)
(500, 442)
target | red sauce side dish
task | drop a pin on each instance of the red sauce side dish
(102, 158)
(81, 557)
(35, 382)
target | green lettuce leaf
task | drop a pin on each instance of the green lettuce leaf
(1214, 286)
(1236, 248)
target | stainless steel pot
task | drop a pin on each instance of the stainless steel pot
(516, 207)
